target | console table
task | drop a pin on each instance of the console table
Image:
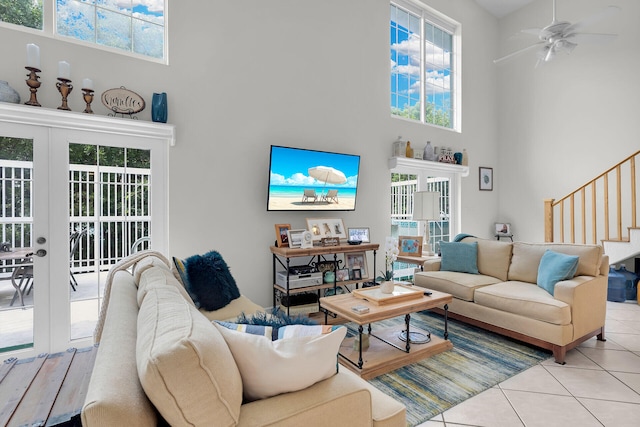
(282, 256)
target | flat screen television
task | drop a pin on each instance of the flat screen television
(312, 180)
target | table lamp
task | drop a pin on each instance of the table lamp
(426, 207)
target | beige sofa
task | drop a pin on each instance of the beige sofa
(505, 298)
(152, 334)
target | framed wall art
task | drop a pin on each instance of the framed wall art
(326, 227)
(282, 239)
(486, 178)
(410, 245)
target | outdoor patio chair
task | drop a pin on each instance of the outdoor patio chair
(74, 242)
(22, 279)
(309, 194)
(331, 196)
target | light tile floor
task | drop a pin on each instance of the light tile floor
(598, 386)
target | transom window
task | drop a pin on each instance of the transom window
(135, 26)
(423, 73)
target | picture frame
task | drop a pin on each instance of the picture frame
(503, 229)
(295, 238)
(326, 227)
(356, 261)
(410, 246)
(282, 238)
(359, 234)
(485, 178)
(342, 275)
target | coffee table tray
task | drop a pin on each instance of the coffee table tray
(400, 293)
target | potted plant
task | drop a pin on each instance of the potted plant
(390, 255)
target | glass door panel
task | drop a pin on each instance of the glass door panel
(109, 218)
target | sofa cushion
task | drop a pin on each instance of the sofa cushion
(494, 257)
(184, 364)
(526, 259)
(231, 311)
(524, 299)
(269, 368)
(459, 256)
(460, 285)
(208, 280)
(555, 267)
(154, 276)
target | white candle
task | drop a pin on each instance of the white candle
(64, 70)
(33, 56)
(87, 84)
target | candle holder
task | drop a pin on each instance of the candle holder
(87, 95)
(64, 87)
(33, 84)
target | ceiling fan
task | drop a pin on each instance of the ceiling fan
(563, 36)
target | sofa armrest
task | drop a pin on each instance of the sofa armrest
(431, 265)
(587, 296)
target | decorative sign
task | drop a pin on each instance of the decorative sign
(330, 241)
(122, 101)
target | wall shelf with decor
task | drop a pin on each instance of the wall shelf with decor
(282, 257)
(422, 165)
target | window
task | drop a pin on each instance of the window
(423, 66)
(136, 26)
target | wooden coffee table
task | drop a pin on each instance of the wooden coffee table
(387, 351)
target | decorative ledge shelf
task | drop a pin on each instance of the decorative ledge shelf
(40, 116)
(426, 165)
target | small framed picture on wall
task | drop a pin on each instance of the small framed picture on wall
(486, 178)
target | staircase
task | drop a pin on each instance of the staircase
(598, 212)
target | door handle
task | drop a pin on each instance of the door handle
(41, 252)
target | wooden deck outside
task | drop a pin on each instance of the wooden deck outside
(48, 390)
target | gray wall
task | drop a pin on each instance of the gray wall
(244, 75)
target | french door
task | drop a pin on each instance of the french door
(93, 191)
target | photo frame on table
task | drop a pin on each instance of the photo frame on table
(342, 275)
(295, 238)
(359, 234)
(282, 238)
(326, 227)
(486, 178)
(503, 229)
(410, 246)
(356, 261)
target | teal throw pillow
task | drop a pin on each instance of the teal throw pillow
(459, 256)
(555, 267)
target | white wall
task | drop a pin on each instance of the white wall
(567, 121)
(244, 75)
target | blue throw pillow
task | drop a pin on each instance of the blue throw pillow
(208, 281)
(555, 267)
(459, 256)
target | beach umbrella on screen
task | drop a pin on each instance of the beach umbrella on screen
(327, 174)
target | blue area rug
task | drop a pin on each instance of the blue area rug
(478, 361)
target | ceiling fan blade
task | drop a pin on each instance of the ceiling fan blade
(592, 38)
(605, 13)
(518, 52)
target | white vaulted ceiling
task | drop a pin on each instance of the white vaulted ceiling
(500, 8)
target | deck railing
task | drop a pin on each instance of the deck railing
(598, 210)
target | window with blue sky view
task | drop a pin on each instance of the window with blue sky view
(136, 26)
(421, 67)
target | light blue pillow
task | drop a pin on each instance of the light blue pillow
(555, 267)
(459, 256)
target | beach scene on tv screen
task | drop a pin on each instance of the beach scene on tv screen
(312, 180)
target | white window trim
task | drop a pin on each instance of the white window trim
(444, 22)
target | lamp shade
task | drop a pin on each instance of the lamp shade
(426, 205)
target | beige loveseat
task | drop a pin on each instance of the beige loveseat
(504, 296)
(152, 330)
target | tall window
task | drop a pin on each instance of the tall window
(136, 26)
(423, 73)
